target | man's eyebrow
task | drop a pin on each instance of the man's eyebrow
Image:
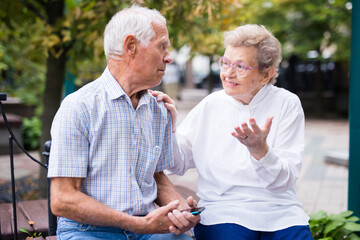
(165, 43)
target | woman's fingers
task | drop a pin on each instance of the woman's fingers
(169, 104)
(173, 113)
(252, 133)
(267, 125)
(255, 127)
(239, 133)
(248, 132)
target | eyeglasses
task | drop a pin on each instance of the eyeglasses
(239, 68)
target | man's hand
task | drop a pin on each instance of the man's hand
(157, 221)
(254, 138)
(169, 104)
(183, 220)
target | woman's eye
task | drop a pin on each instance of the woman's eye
(239, 66)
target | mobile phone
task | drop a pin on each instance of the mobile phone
(196, 211)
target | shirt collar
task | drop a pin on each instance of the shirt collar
(258, 98)
(260, 95)
(112, 87)
(145, 98)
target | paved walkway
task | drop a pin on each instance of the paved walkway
(322, 186)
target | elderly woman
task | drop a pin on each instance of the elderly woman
(246, 142)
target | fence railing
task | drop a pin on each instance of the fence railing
(46, 153)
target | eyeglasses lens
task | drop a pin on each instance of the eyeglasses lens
(238, 68)
(223, 64)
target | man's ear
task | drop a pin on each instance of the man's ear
(130, 44)
(268, 74)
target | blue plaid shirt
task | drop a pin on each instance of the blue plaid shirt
(97, 135)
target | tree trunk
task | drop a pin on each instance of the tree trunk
(189, 83)
(53, 88)
(210, 76)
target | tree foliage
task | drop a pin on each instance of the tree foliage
(21, 59)
(302, 26)
(27, 37)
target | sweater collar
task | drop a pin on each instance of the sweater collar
(258, 98)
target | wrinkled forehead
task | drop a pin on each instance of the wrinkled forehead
(161, 31)
(160, 28)
(247, 55)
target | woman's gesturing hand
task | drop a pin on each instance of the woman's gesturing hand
(254, 138)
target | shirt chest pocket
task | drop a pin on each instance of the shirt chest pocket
(151, 161)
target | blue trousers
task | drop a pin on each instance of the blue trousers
(69, 229)
(230, 231)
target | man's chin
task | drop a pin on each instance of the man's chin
(156, 84)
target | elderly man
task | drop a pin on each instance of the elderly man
(111, 142)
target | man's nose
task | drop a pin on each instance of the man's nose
(168, 59)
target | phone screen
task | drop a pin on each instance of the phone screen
(196, 211)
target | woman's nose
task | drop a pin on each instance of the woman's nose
(229, 73)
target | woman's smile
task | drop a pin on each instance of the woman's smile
(230, 84)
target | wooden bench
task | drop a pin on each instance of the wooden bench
(31, 215)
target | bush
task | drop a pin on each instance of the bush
(334, 226)
(31, 131)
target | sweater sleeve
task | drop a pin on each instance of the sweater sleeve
(280, 168)
(183, 143)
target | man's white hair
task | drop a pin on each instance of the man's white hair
(136, 21)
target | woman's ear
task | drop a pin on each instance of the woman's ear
(268, 74)
(130, 44)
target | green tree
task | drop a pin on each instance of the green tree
(200, 25)
(67, 35)
(21, 61)
(62, 34)
(302, 26)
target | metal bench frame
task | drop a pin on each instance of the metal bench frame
(46, 153)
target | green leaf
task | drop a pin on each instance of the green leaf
(332, 226)
(3, 66)
(341, 215)
(24, 230)
(70, 4)
(353, 236)
(351, 226)
(51, 40)
(318, 215)
(353, 219)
